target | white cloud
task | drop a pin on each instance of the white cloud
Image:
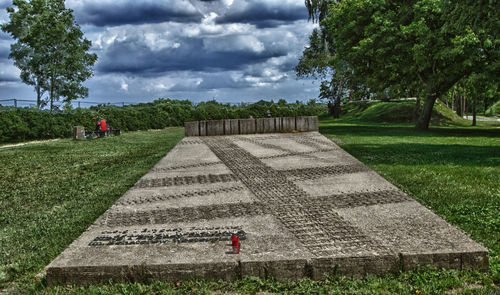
(239, 59)
(124, 86)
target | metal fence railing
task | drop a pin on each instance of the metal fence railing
(22, 103)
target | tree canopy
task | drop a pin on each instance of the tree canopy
(50, 49)
(417, 46)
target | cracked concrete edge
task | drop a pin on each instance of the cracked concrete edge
(292, 269)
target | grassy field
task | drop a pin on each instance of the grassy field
(51, 192)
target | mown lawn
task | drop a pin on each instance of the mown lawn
(52, 192)
(455, 171)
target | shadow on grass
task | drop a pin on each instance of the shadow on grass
(379, 130)
(437, 146)
(428, 154)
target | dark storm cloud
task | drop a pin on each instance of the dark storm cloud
(220, 80)
(233, 51)
(4, 4)
(134, 56)
(4, 36)
(8, 78)
(4, 50)
(263, 14)
(113, 13)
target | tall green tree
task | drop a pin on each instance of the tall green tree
(482, 17)
(413, 46)
(50, 49)
(336, 79)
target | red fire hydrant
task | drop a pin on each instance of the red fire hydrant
(236, 243)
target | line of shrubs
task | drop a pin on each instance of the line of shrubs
(19, 124)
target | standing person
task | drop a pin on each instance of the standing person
(102, 124)
(100, 128)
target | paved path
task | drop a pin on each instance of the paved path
(302, 207)
(481, 118)
(27, 143)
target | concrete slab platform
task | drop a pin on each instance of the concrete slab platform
(301, 206)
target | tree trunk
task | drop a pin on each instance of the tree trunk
(336, 109)
(461, 104)
(474, 104)
(38, 96)
(416, 109)
(452, 99)
(425, 116)
(461, 95)
(464, 111)
(51, 95)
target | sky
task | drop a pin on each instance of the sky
(229, 50)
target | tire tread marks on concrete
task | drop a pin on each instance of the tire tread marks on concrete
(184, 214)
(169, 197)
(320, 229)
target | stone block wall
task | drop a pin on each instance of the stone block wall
(251, 126)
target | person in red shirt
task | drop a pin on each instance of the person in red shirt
(101, 127)
(102, 124)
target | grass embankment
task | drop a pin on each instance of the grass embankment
(396, 112)
(494, 109)
(454, 171)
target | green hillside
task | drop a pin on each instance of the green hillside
(494, 109)
(395, 112)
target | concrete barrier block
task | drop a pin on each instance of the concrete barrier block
(382, 264)
(288, 124)
(227, 127)
(414, 260)
(475, 260)
(353, 266)
(259, 125)
(450, 260)
(278, 124)
(301, 124)
(324, 267)
(277, 269)
(288, 269)
(192, 128)
(235, 126)
(312, 123)
(215, 127)
(251, 126)
(203, 128)
(269, 125)
(247, 126)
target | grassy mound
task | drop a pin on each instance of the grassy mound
(494, 109)
(395, 112)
